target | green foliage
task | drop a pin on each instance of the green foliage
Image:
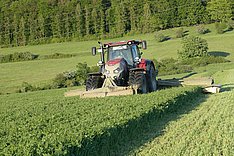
(170, 66)
(203, 61)
(201, 29)
(179, 33)
(57, 56)
(220, 27)
(230, 25)
(44, 123)
(160, 37)
(16, 57)
(74, 78)
(193, 47)
(220, 10)
(37, 22)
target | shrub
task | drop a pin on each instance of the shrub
(16, 57)
(220, 27)
(82, 71)
(160, 37)
(57, 56)
(204, 61)
(26, 87)
(171, 66)
(193, 47)
(180, 33)
(230, 25)
(201, 29)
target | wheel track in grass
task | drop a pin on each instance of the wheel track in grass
(203, 131)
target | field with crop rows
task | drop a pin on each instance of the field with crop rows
(174, 121)
(207, 130)
(44, 123)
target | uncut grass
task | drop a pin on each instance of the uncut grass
(47, 123)
(207, 130)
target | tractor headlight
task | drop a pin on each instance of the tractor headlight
(116, 71)
(107, 71)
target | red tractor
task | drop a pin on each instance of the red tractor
(124, 69)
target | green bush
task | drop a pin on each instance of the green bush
(203, 61)
(16, 57)
(201, 29)
(230, 25)
(180, 33)
(193, 47)
(57, 56)
(220, 27)
(170, 66)
(26, 87)
(160, 37)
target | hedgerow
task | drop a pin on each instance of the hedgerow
(44, 123)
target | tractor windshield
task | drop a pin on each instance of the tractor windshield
(123, 51)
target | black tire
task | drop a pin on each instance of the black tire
(138, 79)
(93, 82)
(152, 82)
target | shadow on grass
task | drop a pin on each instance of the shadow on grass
(219, 53)
(227, 87)
(124, 139)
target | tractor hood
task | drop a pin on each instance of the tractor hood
(114, 68)
(114, 62)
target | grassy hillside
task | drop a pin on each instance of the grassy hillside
(13, 74)
(176, 121)
(206, 130)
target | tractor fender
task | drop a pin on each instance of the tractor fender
(145, 64)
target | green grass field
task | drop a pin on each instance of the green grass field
(176, 121)
(206, 130)
(12, 75)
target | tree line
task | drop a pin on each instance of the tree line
(24, 22)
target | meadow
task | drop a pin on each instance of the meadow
(174, 121)
(38, 72)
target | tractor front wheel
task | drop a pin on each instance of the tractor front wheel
(138, 79)
(93, 82)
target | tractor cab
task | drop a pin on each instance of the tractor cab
(129, 51)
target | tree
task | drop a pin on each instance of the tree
(15, 31)
(32, 28)
(146, 19)
(67, 26)
(193, 47)
(7, 32)
(87, 20)
(95, 20)
(41, 27)
(21, 36)
(56, 27)
(78, 21)
(120, 19)
(133, 18)
(220, 10)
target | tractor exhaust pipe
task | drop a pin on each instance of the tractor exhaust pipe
(102, 52)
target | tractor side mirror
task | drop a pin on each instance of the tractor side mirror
(94, 51)
(144, 45)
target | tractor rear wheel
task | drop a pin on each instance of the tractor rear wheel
(93, 82)
(138, 79)
(152, 82)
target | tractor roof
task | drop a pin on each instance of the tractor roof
(129, 42)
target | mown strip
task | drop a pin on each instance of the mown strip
(41, 123)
